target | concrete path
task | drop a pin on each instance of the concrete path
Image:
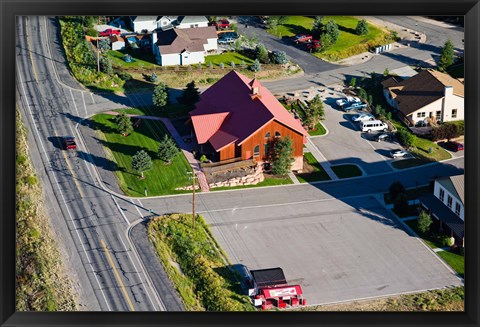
(186, 148)
(293, 178)
(321, 159)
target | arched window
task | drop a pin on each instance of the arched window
(256, 151)
(277, 134)
(267, 136)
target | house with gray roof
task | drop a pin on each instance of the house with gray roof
(447, 205)
(184, 46)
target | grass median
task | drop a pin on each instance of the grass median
(314, 171)
(196, 264)
(161, 179)
(346, 171)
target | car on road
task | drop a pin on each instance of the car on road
(354, 106)
(399, 153)
(454, 146)
(110, 31)
(383, 137)
(69, 143)
(363, 117)
(302, 38)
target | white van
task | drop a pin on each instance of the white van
(373, 125)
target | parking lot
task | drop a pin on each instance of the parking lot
(336, 249)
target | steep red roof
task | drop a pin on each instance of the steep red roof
(232, 95)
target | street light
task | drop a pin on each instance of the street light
(192, 177)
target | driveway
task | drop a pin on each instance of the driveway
(336, 249)
(307, 62)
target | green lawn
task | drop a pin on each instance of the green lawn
(317, 175)
(227, 58)
(140, 60)
(162, 179)
(411, 194)
(348, 43)
(456, 261)
(269, 181)
(429, 239)
(346, 171)
(319, 130)
(422, 147)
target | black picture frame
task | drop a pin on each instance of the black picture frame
(8, 316)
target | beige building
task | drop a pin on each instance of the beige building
(429, 94)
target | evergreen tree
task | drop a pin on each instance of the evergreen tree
(331, 28)
(282, 157)
(141, 162)
(167, 149)
(315, 111)
(272, 22)
(104, 44)
(261, 53)
(353, 82)
(105, 65)
(446, 56)
(160, 95)
(190, 95)
(326, 41)
(424, 221)
(279, 57)
(124, 124)
(362, 27)
(256, 67)
(386, 72)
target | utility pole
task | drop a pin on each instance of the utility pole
(193, 196)
(98, 58)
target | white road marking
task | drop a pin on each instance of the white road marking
(91, 95)
(121, 211)
(84, 105)
(61, 193)
(139, 212)
(74, 104)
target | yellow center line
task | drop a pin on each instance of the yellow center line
(75, 179)
(29, 51)
(117, 275)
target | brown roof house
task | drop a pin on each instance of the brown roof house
(429, 94)
(184, 46)
(447, 206)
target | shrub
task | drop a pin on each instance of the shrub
(232, 64)
(210, 65)
(362, 93)
(104, 44)
(124, 76)
(386, 72)
(221, 65)
(256, 67)
(279, 57)
(353, 82)
(211, 79)
(362, 27)
(445, 240)
(153, 78)
(261, 53)
(424, 221)
(405, 137)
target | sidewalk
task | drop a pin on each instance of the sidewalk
(186, 148)
(321, 159)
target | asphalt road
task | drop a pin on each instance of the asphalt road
(90, 220)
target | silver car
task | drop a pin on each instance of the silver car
(399, 153)
(363, 117)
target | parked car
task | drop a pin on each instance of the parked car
(373, 125)
(110, 31)
(302, 38)
(354, 106)
(226, 40)
(454, 146)
(344, 101)
(233, 35)
(399, 153)
(363, 117)
(222, 23)
(383, 137)
(315, 44)
(69, 143)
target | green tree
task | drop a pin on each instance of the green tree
(331, 28)
(261, 53)
(153, 78)
(362, 27)
(314, 112)
(405, 137)
(190, 95)
(160, 95)
(282, 20)
(141, 162)
(256, 67)
(317, 26)
(221, 65)
(105, 65)
(272, 22)
(424, 221)
(104, 44)
(446, 56)
(395, 189)
(386, 72)
(370, 99)
(326, 42)
(124, 124)
(362, 93)
(167, 150)
(282, 157)
(353, 82)
(279, 57)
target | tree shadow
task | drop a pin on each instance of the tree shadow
(347, 30)
(125, 149)
(297, 29)
(101, 162)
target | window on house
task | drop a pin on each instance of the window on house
(442, 195)
(192, 26)
(420, 114)
(256, 151)
(267, 136)
(267, 149)
(438, 115)
(449, 201)
(277, 134)
(454, 113)
(457, 209)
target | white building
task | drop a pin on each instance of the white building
(143, 24)
(117, 42)
(184, 46)
(165, 22)
(447, 205)
(191, 22)
(429, 94)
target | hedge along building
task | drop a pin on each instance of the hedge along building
(239, 118)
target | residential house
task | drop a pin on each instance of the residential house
(238, 117)
(117, 42)
(447, 205)
(429, 94)
(166, 22)
(191, 22)
(143, 24)
(184, 46)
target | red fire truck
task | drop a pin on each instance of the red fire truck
(268, 288)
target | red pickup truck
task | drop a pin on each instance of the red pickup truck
(222, 23)
(302, 38)
(69, 143)
(110, 31)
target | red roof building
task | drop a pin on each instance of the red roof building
(239, 118)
